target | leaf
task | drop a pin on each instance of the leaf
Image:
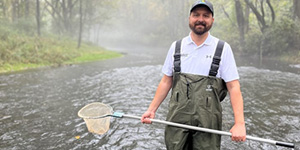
(77, 137)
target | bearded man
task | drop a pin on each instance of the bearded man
(200, 69)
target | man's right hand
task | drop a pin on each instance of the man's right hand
(147, 116)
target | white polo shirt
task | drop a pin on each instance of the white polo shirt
(197, 59)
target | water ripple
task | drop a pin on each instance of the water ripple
(39, 109)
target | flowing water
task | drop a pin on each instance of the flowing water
(38, 108)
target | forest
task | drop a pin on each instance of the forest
(254, 28)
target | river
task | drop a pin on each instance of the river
(38, 108)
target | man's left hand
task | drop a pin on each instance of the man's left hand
(238, 132)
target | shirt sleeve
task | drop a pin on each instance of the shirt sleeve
(168, 66)
(228, 69)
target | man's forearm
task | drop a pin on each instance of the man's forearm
(237, 107)
(236, 101)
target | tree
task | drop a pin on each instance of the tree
(296, 9)
(27, 8)
(3, 4)
(261, 17)
(62, 14)
(240, 21)
(15, 4)
(80, 24)
(38, 20)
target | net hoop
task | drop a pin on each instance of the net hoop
(92, 114)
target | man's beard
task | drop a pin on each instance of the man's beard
(205, 28)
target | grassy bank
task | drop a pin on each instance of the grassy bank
(293, 58)
(19, 51)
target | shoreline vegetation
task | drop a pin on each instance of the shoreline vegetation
(22, 49)
(21, 52)
(48, 34)
(97, 54)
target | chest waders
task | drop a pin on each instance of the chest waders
(195, 101)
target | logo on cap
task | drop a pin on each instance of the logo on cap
(201, 2)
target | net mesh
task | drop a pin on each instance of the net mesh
(92, 114)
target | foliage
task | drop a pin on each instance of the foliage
(275, 39)
(265, 28)
(253, 43)
(26, 26)
(19, 51)
(282, 37)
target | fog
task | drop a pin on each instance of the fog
(142, 24)
(255, 28)
(259, 30)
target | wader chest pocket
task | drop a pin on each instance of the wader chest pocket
(208, 102)
(177, 97)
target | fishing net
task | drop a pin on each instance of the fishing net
(96, 116)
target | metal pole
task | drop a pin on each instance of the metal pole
(279, 143)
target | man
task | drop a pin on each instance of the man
(196, 75)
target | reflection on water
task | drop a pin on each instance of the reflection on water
(39, 108)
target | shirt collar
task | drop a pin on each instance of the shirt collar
(208, 40)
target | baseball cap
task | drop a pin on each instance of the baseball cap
(203, 3)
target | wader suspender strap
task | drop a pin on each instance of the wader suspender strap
(216, 60)
(177, 55)
(215, 63)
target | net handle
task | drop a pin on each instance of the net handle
(278, 143)
(121, 115)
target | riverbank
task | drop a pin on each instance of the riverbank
(87, 54)
(21, 52)
(21, 49)
(291, 58)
